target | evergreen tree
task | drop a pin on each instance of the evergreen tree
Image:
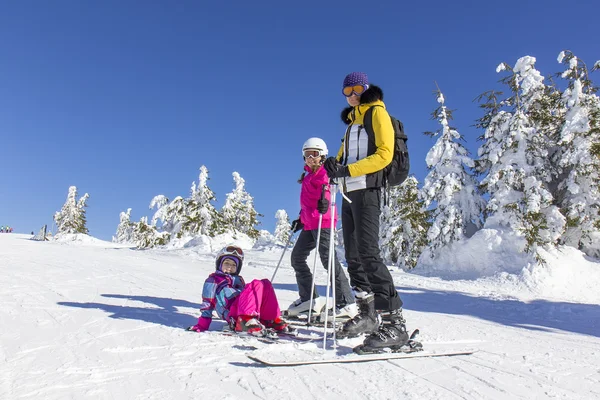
(160, 202)
(146, 235)
(238, 213)
(580, 203)
(404, 225)
(449, 187)
(125, 228)
(71, 218)
(170, 215)
(175, 215)
(201, 217)
(283, 227)
(515, 160)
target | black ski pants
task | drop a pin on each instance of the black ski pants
(307, 241)
(360, 224)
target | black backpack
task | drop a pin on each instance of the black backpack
(397, 171)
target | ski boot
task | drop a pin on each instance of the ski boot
(280, 326)
(342, 312)
(391, 336)
(250, 325)
(302, 307)
(366, 321)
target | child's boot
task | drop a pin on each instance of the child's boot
(249, 325)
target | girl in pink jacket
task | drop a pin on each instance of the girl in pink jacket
(314, 202)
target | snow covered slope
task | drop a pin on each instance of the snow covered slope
(88, 320)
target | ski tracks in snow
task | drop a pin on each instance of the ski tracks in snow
(103, 323)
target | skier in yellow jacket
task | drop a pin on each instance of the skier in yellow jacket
(359, 169)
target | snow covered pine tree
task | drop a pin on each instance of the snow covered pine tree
(449, 187)
(71, 218)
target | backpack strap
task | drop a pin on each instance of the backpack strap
(368, 119)
(368, 124)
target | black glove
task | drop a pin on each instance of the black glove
(322, 206)
(335, 169)
(297, 225)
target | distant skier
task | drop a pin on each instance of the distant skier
(250, 308)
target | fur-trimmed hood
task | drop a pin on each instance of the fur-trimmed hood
(371, 95)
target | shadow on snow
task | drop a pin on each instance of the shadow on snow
(536, 315)
(166, 314)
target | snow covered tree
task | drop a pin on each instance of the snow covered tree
(283, 226)
(580, 202)
(449, 187)
(201, 216)
(160, 202)
(146, 235)
(238, 213)
(403, 225)
(170, 215)
(71, 218)
(515, 160)
(125, 228)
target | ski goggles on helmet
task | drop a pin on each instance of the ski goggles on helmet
(356, 89)
(312, 153)
(232, 251)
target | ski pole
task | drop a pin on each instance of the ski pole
(331, 262)
(281, 258)
(312, 288)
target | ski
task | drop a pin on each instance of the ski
(302, 320)
(276, 338)
(409, 347)
(358, 358)
(270, 336)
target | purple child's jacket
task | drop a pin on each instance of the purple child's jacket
(218, 293)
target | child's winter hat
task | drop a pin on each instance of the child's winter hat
(232, 252)
(356, 78)
(232, 258)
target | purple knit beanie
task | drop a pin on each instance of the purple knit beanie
(234, 259)
(356, 78)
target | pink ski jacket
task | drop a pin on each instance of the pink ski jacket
(312, 186)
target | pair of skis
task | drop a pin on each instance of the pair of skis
(355, 358)
(412, 349)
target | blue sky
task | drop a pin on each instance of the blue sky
(127, 99)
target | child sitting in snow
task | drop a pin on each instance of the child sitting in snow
(251, 308)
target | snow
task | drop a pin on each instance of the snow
(531, 80)
(95, 320)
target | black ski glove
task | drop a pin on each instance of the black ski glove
(322, 206)
(335, 169)
(297, 225)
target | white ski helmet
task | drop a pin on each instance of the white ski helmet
(316, 144)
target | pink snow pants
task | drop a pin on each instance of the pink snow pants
(258, 299)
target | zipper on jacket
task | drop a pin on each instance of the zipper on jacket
(346, 146)
(358, 142)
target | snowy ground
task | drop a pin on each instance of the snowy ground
(93, 320)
